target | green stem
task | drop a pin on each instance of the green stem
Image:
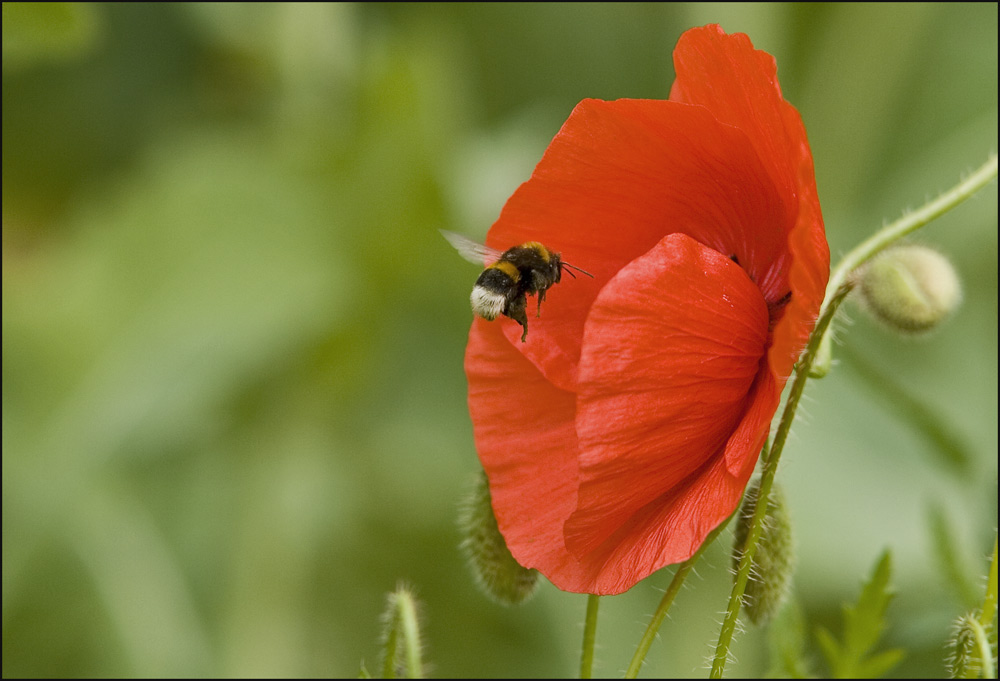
(984, 653)
(589, 636)
(668, 598)
(837, 289)
(909, 223)
(767, 480)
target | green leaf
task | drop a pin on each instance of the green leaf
(863, 626)
(946, 444)
(950, 560)
(831, 649)
(879, 664)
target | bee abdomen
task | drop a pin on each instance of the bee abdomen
(494, 290)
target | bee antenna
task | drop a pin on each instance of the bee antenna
(574, 267)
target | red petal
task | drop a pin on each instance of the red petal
(672, 347)
(739, 85)
(526, 440)
(617, 178)
(810, 264)
(667, 530)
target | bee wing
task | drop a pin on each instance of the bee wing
(473, 251)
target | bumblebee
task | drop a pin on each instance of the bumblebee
(503, 287)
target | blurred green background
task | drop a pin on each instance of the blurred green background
(234, 408)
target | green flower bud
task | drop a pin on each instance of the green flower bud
(910, 288)
(971, 651)
(402, 650)
(774, 559)
(498, 574)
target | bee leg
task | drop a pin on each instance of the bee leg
(516, 311)
(539, 282)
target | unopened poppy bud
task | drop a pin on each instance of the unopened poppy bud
(402, 649)
(774, 558)
(967, 647)
(911, 288)
(497, 572)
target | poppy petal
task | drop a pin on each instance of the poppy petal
(525, 436)
(672, 347)
(616, 178)
(667, 530)
(810, 266)
(739, 85)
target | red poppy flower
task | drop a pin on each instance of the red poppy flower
(627, 426)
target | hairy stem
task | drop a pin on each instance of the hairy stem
(668, 598)
(589, 636)
(767, 480)
(837, 289)
(910, 222)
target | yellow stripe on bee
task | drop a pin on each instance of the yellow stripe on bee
(539, 248)
(508, 268)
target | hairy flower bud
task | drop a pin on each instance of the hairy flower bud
(911, 288)
(969, 645)
(401, 643)
(774, 558)
(498, 574)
